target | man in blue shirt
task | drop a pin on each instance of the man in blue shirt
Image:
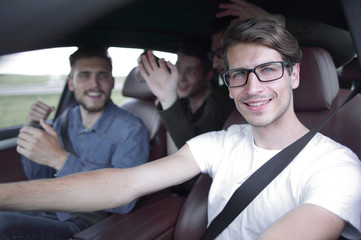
(102, 136)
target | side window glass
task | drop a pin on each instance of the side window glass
(124, 60)
(28, 77)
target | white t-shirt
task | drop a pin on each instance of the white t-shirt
(324, 173)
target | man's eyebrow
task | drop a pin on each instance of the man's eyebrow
(191, 68)
(84, 71)
(98, 71)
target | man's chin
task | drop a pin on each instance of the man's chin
(92, 108)
(182, 94)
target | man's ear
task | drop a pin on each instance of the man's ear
(230, 94)
(295, 76)
(70, 83)
(113, 82)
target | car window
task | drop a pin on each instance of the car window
(40, 75)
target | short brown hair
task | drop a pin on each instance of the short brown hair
(264, 32)
(88, 52)
(197, 47)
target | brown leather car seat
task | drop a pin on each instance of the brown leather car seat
(140, 102)
(319, 94)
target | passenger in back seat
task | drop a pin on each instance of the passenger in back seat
(101, 134)
(185, 97)
(183, 94)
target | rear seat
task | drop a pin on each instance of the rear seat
(141, 104)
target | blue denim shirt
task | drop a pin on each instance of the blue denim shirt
(117, 140)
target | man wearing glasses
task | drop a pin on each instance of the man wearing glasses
(306, 201)
(265, 72)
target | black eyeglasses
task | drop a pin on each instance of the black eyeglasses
(265, 72)
(219, 53)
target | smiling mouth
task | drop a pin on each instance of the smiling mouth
(182, 87)
(94, 94)
(257, 104)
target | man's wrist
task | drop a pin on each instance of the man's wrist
(167, 103)
(32, 123)
(58, 165)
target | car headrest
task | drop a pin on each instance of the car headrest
(318, 81)
(136, 87)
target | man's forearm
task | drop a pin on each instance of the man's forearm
(85, 192)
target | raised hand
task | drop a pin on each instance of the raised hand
(161, 77)
(244, 10)
(41, 146)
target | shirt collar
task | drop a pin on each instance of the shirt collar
(102, 124)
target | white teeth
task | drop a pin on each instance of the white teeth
(257, 104)
(94, 94)
(182, 86)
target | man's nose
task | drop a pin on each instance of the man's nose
(254, 85)
(181, 75)
(218, 64)
(95, 80)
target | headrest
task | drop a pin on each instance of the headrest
(318, 81)
(136, 87)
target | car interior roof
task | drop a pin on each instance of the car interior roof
(156, 24)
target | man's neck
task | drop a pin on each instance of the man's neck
(279, 135)
(197, 100)
(89, 118)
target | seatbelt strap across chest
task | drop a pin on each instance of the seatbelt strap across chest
(68, 146)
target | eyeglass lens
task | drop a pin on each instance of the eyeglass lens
(264, 72)
(219, 53)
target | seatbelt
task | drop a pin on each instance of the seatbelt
(88, 218)
(245, 193)
(64, 132)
